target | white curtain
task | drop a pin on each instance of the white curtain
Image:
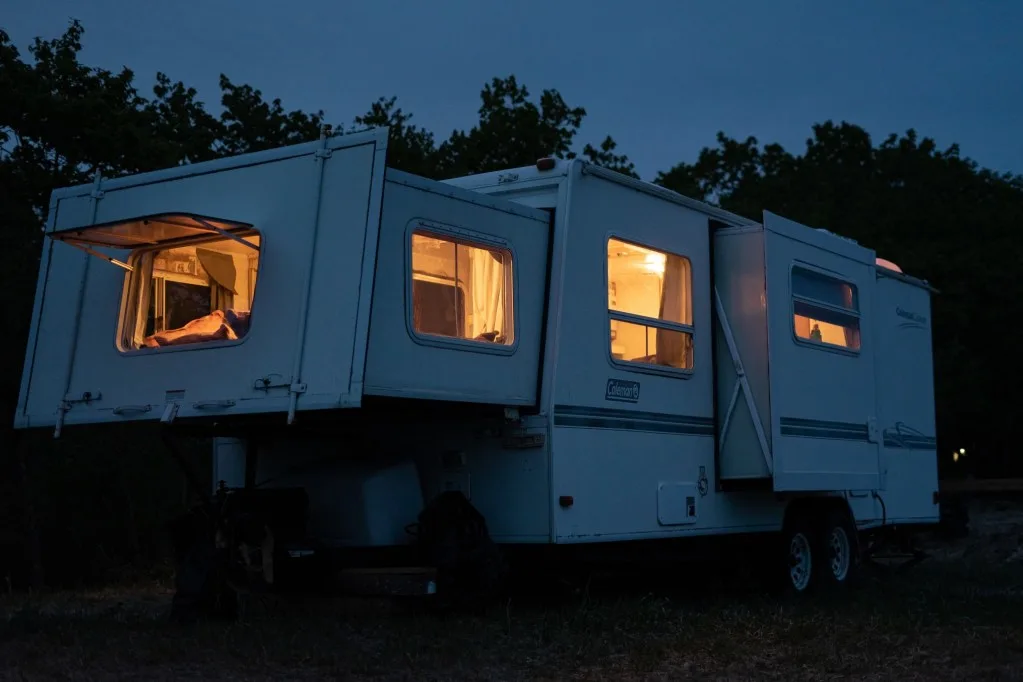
(487, 293)
(852, 334)
(676, 305)
(674, 349)
(144, 283)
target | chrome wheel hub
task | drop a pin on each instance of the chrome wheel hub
(800, 561)
(841, 555)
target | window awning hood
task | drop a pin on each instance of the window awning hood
(151, 230)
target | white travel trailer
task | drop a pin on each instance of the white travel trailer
(588, 358)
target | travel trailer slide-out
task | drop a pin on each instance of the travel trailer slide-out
(580, 358)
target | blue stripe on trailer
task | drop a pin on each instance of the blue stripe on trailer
(632, 420)
(817, 428)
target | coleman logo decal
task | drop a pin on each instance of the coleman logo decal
(622, 391)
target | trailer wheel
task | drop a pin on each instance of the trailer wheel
(799, 556)
(838, 549)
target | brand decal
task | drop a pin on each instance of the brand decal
(911, 316)
(622, 391)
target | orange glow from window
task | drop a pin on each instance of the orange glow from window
(824, 332)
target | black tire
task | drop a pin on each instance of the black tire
(453, 538)
(201, 590)
(798, 556)
(837, 546)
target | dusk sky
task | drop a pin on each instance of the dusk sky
(662, 77)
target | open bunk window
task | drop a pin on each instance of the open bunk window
(461, 289)
(825, 310)
(650, 306)
(190, 279)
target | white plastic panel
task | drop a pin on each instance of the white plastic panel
(404, 361)
(678, 503)
(740, 281)
(368, 497)
(822, 395)
(279, 193)
(905, 395)
(628, 437)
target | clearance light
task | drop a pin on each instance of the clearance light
(545, 164)
(885, 263)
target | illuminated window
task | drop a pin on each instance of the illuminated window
(461, 290)
(195, 293)
(191, 278)
(826, 310)
(649, 302)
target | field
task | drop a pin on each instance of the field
(958, 615)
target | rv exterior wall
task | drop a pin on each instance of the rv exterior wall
(50, 344)
(98, 365)
(458, 297)
(595, 444)
(340, 292)
(740, 281)
(905, 394)
(633, 447)
(365, 487)
(309, 240)
(823, 399)
(638, 463)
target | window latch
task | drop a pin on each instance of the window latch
(271, 381)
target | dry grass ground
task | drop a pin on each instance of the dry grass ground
(957, 616)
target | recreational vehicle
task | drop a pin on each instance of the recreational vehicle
(577, 357)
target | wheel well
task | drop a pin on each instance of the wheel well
(811, 507)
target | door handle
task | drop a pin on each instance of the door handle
(131, 409)
(213, 404)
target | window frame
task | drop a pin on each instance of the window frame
(824, 305)
(471, 238)
(130, 288)
(631, 318)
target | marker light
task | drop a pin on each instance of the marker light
(885, 263)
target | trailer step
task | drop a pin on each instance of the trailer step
(390, 581)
